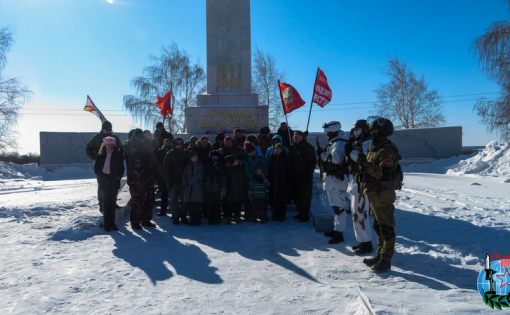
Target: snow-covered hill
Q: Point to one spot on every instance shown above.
(55, 259)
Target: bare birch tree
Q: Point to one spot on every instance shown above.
(265, 77)
(172, 71)
(493, 49)
(407, 100)
(13, 94)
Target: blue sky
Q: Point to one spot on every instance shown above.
(66, 49)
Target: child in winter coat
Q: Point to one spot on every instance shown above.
(254, 169)
(214, 178)
(234, 191)
(278, 176)
(109, 169)
(192, 182)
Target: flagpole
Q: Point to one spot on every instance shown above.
(311, 102)
(284, 112)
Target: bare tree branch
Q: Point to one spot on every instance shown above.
(493, 49)
(173, 71)
(13, 94)
(407, 100)
(265, 77)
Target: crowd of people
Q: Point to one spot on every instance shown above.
(241, 177)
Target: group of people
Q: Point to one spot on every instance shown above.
(240, 177)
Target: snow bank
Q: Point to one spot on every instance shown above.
(494, 161)
(33, 171)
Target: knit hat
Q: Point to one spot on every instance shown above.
(264, 130)
(109, 140)
(106, 125)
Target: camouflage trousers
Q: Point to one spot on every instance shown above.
(383, 212)
(141, 203)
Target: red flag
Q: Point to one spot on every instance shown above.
(165, 103)
(290, 97)
(322, 94)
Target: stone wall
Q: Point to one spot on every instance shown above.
(68, 148)
(421, 143)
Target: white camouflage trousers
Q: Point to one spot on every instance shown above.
(360, 212)
(337, 196)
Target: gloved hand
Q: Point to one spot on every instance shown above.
(354, 155)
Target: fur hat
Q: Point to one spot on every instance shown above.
(109, 140)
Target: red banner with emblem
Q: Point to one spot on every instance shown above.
(290, 97)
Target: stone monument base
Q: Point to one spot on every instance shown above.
(210, 119)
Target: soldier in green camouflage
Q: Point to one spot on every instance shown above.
(383, 176)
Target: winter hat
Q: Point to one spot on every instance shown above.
(248, 147)
(299, 132)
(214, 153)
(277, 137)
(220, 136)
(136, 134)
(178, 141)
(193, 139)
(264, 130)
(332, 126)
(252, 139)
(109, 140)
(106, 125)
(159, 124)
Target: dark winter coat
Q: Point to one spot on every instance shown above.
(278, 170)
(214, 177)
(302, 161)
(203, 152)
(174, 164)
(112, 180)
(235, 183)
(141, 163)
(285, 136)
(192, 182)
(92, 148)
(159, 137)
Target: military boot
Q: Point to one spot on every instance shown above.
(329, 234)
(383, 265)
(338, 237)
(363, 248)
(371, 261)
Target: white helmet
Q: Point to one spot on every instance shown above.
(332, 126)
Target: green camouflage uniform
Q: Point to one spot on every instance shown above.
(381, 164)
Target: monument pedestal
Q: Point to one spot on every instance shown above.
(209, 119)
(229, 102)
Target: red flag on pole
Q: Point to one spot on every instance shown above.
(322, 94)
(290, 97)
(165, 103)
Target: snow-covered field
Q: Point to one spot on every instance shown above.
(55, 259)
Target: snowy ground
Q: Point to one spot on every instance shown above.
(54, 259)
